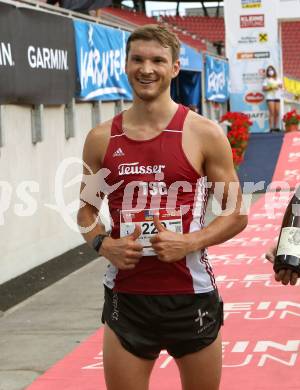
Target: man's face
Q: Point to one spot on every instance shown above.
(150, 69)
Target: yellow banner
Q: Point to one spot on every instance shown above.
(292, 86)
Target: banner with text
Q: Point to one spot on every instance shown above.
(37, 67)
(101, 62)
(8, 49)
(216, 79)
(292, 86)
(190, 59)
(251, 45)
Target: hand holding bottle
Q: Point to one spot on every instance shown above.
(286, 257)
(285, 276)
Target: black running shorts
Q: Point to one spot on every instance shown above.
(147, 324)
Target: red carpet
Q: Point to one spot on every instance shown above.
(261, 338)
(288, 166)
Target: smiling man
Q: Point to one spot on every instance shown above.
(160, 290)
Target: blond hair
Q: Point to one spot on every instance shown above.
(155, 32)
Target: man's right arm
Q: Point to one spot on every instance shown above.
(90, 195)
(124, 252)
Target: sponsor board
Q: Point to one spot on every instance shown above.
(47, 58)
(36, 67)
(251, 45)
(101, 53)
(250, 39)
(247, 40)
(257, 115)
(6, 57)
(263, 37)
(251, 3)
(257, 55)
(254, 97)
(252, 21)
(216, 79)
(253, 78)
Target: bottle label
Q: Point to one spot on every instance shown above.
(289, 243)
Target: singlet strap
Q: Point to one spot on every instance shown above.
(178, 119)
(176, 122)
(116, 126)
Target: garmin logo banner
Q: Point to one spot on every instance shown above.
(6, 58)
(8, 52)
(45, 58)
(37, 57)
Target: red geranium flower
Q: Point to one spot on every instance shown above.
(238, 134)
(291, 118)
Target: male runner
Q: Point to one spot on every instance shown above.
(160, 291)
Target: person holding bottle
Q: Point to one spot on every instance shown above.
(272, 86)
(286, 254)
(285, 276)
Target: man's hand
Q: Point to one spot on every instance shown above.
(168, 246)
(124, 253)
(285, 276)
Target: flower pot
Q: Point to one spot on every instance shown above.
(292, 127)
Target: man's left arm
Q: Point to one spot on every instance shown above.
(226, 190)
(220, 172)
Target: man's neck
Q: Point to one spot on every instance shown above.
(152, 113)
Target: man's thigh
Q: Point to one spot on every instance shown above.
(122, 369)
(202, 369)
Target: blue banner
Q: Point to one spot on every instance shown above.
(101, 62)
(190, 59)
(216, 79)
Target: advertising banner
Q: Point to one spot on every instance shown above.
(251, 45)
(8, 52)
(190, 59)
(101, 62)
(288, 9)
(37, 57)
(46, 58)
(216, 79)
(292, 86)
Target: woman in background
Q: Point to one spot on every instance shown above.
(272, 88)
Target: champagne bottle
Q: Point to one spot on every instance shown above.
(288, 249)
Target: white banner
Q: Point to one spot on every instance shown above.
(251, 45)
(288, 9)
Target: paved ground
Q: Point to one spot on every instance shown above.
(44, 328)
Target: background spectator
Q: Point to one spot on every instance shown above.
(83, 6)
(272, 88)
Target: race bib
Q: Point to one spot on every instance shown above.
(172, 220)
